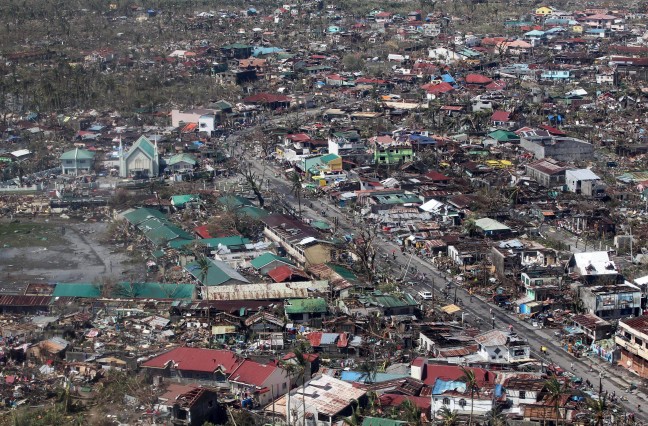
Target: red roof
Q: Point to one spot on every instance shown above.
(343, 341)
(477, 79)
(315, 338)
(438, 88)
(432, 372)
(391, 400)
(308, 357)
(496, 85)
(252, 373)
(436, 176)
(284, 273)
(552, 130)
(195, 359)
(202, 231)
(503, 116)
(298, 137)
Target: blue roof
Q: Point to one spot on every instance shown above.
(441, 386)
(537, 33)
(447, 78)
(260, 50)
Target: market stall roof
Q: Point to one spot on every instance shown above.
(451, 309)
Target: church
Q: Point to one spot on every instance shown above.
(141, 161)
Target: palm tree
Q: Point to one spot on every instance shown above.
(411, 413)
(448, 418)
(296, 187)
(203, 264)
(296, 368)
(368, 370)
(599, 407)
(495, 417)
(471, 385)
(555, 390)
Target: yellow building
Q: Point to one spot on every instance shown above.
(543, 10)
(577, 29)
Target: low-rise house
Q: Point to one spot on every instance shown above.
(499, 347)
(592, 327)
(214, 273)
(324, 400)
(189, 405)
(492, 228)
(194, 364)
(77, 162)
(261, 382)
(346, 143)
(182, 163)
(584, 181)
(300, 242)
(269, 261)
(593, 268)
(521, 388)
(306, 310)
(390, 151)
(547, 172)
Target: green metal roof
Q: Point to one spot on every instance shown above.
(140, 215)
(329, 157)
(145, 145)
(488, 224)
(300, 306)
(343, 272)
(181, 200)
(253, 212)
(77, 154)
(237, 46)
(234, 201)
(266, 258)
(503, 135)
(321, 225)
(91, 290)
(378, 421)
(154, 291)
(391, 301)
(182, 157)
(233, 241)
(217, 273)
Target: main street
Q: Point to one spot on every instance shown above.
(596, 371)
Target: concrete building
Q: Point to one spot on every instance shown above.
(547, 172)
(632, 339)
(611, 302)
(584, 181)
(77, 162)
(500, 347)
(559, 148)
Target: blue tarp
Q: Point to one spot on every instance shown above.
(448, 78)
(441, 386)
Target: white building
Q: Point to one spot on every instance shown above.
(142, 160)
(584, 181)
(501, 347)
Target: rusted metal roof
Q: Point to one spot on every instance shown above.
(12, 300)
(267, 291)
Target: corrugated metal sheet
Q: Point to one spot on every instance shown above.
(269, 291)
(25, 300)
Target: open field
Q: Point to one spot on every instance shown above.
(57, 251)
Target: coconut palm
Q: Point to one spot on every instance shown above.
(471, 386)
(410, 413)
(355, 419)
(599, 407)
(448, 417)
(555, 392)
(368, 370)
(495, 417)
(296, 187)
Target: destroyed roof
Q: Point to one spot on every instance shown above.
(594, 263)
(217, 273)
(285, 272)
(300, 306)
(267, 291)
(195, 359)
(137, 216)
(637, 323)
(125, 290)
(326, 395)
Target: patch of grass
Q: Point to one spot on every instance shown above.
(30, 234)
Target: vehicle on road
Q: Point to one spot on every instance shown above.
(425, 295)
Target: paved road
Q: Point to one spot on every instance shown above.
(585, 368)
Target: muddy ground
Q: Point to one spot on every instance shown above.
(59, 251)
